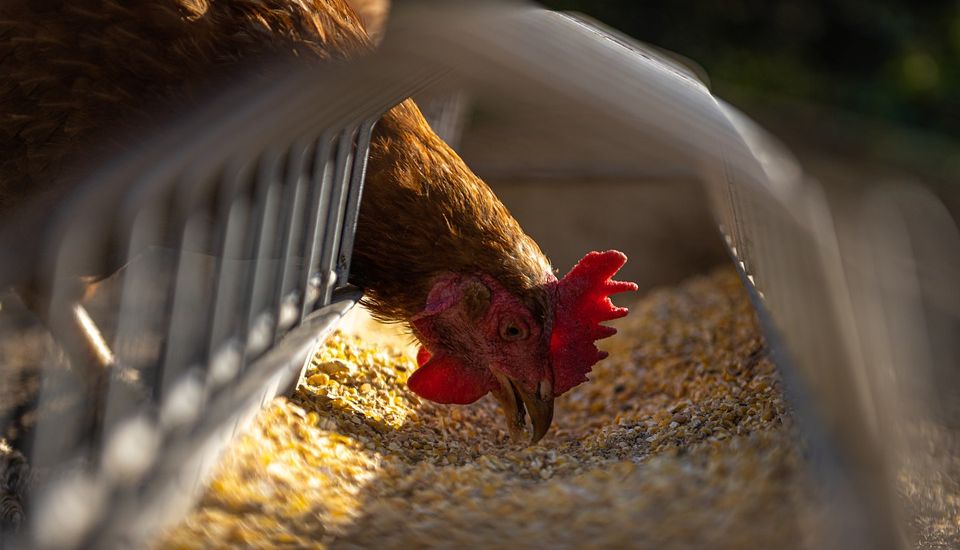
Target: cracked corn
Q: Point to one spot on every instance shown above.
(680, 439)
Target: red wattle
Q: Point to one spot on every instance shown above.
(422, 356)
(444, 379)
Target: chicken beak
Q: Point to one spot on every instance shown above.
(540, 407)
(516, 402)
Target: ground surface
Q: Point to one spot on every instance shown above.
(680, 440)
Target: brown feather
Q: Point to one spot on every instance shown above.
(80, 72)
(425, 213)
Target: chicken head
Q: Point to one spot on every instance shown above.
(479, 338)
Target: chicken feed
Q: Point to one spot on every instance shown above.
(681, 439)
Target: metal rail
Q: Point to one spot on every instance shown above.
(226, 256)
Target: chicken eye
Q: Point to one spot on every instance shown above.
(513, 330)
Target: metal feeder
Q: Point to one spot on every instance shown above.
(234, 228)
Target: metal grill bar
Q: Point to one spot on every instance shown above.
(227, 283)
(352, 207)
(338, 202)
(260, 318)
(288, 299)
(311, 281)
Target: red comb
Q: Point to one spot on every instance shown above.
(582, 303)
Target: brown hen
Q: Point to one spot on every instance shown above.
(434, 247)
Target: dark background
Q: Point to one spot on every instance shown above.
(876, 79)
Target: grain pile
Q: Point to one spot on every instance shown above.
(681, 439)
(929, 485)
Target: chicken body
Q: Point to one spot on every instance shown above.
(434, 247)
(79, 77)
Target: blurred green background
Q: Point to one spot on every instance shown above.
(876, 78)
